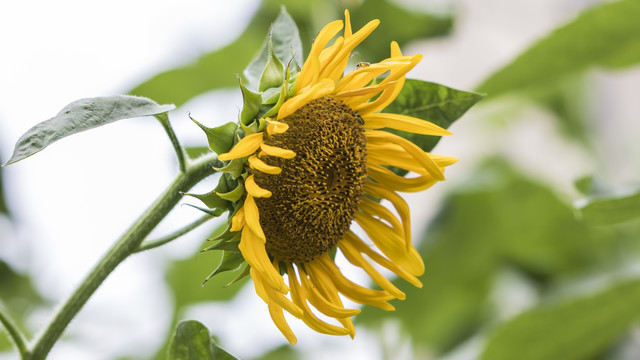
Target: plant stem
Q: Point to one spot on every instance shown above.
(164, 120)
(125, 246)
(147, 245)
(14, 334)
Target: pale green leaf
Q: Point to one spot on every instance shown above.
(577, 329)
(605, 35)
(285, 40)
(81, 115)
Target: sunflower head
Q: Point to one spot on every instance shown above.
(313, 155)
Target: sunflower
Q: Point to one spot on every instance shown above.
(320, 163)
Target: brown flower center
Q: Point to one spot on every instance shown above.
(316, 195)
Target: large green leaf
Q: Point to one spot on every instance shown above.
(608, 210)
(191, 341)
(578, 329)
(605, 35)
(432, 102)
(186, 276)
(81, 115)
(508, 221)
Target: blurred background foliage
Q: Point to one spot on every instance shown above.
(515, 270)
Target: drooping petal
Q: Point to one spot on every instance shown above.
(254, 190)
(252, 217)
(245, 147)
(255, 254)
(261, 166)
(276, 151)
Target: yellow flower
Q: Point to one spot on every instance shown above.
(322, 163)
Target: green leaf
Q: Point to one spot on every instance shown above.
(605, 35)
(609, 210)
(582, 328)
(432, 102)
(191, 341)
(285, 40)
(81, 115)
(185, 277)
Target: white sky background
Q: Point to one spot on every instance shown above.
(74, 199)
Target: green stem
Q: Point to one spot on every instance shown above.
(147, 245)
(125, 246)
(14, 334)
(164, 120)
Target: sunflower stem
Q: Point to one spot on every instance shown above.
(125, 246)
(164, 120)
(150, 244)
(15, 334)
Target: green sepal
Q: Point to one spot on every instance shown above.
(273, 73)
(231, 260)
(284, 92)
(235, 168)
(229, 244)
(234, 195)
(243, 274)
(211, 199)
(251, 103)
(220, 138)
(213, 212)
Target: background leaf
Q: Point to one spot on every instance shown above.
(605, 35)
(582, 328)
(609, 210)
(81, 115)
(191, 341)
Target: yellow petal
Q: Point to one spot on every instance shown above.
(255, 254)
(358, 260)
(269, 295)
(322, 88)
(404, 123)
(245, 147)
(276, 151)
(395, 182)
(309, 318)
(325, 306)
(255, 190)
(276, 127)
(237, 221)
(383, 137)
(347, 26)
(359, 245)
(374, 209)
(309, 74)
(252, 217)
(277, 316)
(335, 68)
(261, 166)
(379, 192)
